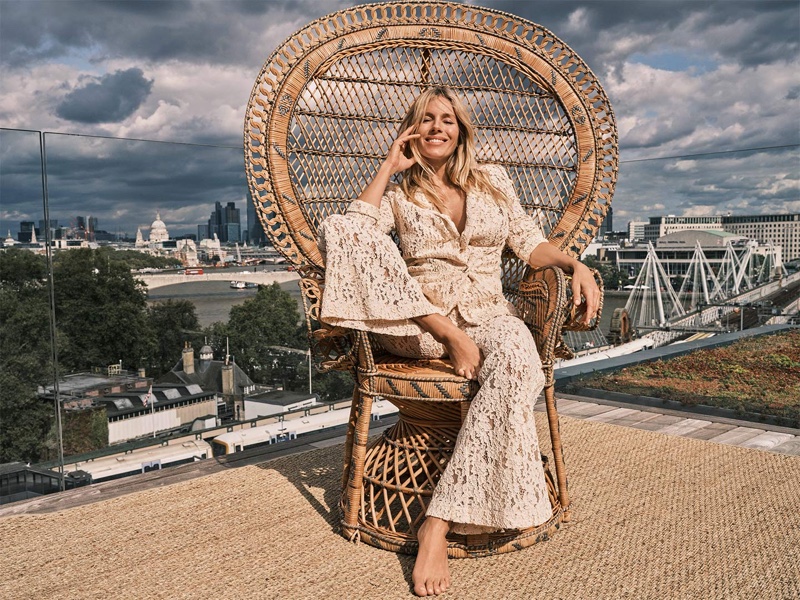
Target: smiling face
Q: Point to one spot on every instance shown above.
(438, 132)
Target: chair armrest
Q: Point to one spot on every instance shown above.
(542, 303)
(577, 313)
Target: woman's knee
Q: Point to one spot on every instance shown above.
(509, 346)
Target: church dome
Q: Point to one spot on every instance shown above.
(158, 230)
(206, 353)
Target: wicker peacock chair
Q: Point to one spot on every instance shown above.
(322, 115)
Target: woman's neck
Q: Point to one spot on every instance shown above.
(439, 176)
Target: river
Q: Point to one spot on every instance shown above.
(214, 299)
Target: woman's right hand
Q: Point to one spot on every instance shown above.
(396, 160)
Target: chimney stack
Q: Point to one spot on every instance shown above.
(188, 358)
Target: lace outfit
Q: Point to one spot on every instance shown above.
(495, 478)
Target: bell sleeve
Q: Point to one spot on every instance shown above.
(367, 283)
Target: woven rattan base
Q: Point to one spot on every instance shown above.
(401, 470)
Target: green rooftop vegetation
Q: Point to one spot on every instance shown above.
(758, 375)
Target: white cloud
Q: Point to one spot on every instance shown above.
(578, 21)
(724, 109)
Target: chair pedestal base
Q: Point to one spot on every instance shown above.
(401, 469)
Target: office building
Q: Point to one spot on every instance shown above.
(778, 230)
(225, 222)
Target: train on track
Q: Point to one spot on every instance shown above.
(242, 439)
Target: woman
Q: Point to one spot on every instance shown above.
(440, 295)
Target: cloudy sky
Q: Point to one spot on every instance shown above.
(706, 95)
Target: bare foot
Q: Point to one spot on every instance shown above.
(463, 352)
(431, 575)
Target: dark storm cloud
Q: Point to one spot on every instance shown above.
(202, 31)
(107, 99)
(748, 32)
(122, 183)
(223, 32)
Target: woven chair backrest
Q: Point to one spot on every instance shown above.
(328, 103)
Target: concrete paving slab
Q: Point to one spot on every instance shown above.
(737, 436)
(791, 447)
(561, 403)
(584, 410)
(612, 415)
(685, 427)
(767, 440)
(709, 431)
(638, 416)
(660, 422)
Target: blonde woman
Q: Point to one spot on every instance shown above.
(439, 295)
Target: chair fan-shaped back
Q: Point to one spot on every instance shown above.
(328, 103)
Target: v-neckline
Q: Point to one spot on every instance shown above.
(466, 217)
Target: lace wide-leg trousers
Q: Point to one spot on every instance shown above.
(495, 479)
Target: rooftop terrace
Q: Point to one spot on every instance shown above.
(656, 516)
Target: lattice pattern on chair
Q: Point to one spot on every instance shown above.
(322, 115)
(327, 104)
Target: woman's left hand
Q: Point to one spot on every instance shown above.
(584, 285)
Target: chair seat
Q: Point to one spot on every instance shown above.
(398, 379)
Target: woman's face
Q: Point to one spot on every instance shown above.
(438, 132)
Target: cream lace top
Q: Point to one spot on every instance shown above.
(447, 270)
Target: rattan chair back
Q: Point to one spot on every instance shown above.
(328, 103)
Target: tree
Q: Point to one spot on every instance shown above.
(270, 318)
(216, 336)
(25, 355)
(175, 322)
(101, 310)
(613, 278)
(333, 385)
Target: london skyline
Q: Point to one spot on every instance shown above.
(715, 84)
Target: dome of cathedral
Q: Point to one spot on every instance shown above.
(158, 230)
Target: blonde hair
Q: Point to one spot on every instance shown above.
(461, 168)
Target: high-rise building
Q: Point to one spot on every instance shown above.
(607, 226)
(226, 223)
(255, 232)
(779, 230)
(636, 230)
(27, 232)
(42, 231)
(85, 227)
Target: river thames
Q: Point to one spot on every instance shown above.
(214, 299)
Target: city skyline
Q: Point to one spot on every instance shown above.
(715, 83)
(77, 222)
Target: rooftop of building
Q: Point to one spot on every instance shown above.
(77, 384)
(655, 516)
(281, 397)
(208, 375)
(163, 395)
